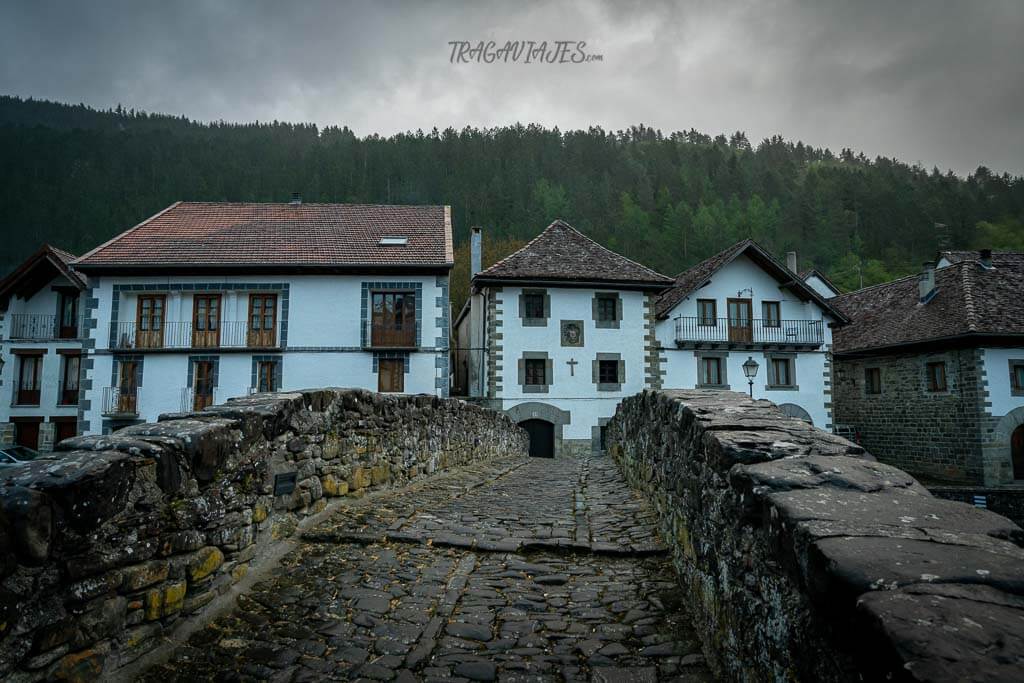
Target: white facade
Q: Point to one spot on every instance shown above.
(998, 365)
(40, 379)
(321, 336)
(685, 341)
(820, 285)
(573, 398)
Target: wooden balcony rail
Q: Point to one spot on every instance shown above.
(749, 331)
(380, 336)
(187, 335)
(121, 401)
(37, 326)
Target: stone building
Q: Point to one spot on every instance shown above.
(930, 374)
(556, 335)
(40, 350)
(743, 305)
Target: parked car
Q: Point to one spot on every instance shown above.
(14, 455)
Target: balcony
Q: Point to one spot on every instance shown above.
(32, 326)
(186, 335)
(120, 402)
(379, 336)
(698, 332)
(194, 400)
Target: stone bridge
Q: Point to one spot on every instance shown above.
(339, 534)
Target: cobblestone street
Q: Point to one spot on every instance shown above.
(536, 570)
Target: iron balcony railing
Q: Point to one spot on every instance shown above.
(38, 326)
(195, 399)
(121, 401)
(187, 335)
(749, 331)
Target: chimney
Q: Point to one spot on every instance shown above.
(791, 260)
(476, 247)
(926, 285)
(986, 258)
(296, 199)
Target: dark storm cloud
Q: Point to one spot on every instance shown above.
(939, 83)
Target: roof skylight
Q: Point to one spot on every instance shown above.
(393, 241)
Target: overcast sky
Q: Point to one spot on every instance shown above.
(941, 83)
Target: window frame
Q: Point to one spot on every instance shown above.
(711, 321)
(530, 369)
(396, 374)
(149, 327)
(33, 396)
(69, 396)
(1016, 365)
(766, 319)
(266, 371)
(605, 304)
(932, 386)
(873, 387)
(538, 296)
(722, 360)
(388, 329)
(258, 335)
(772, 383)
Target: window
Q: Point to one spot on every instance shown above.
(150, 322)
(29, 367)
(205, 320)
(266, 376)
(710, 369)
(608, 371)
(393, 319)
(262, 320)
(935, 375)
(707, 312)
(125, 400)
(1017, 377)
(203, 380)
(533, 305)
(606, 308)
(68, 323)
(872, 381)
(391, 375)
(535, 372)
(780, 372)
(69, 379)
(603, 431)
(770, 314)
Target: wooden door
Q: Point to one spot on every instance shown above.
(206, 321)
(542, 438)
(391, 375)
(127, 396)
(741, 324)
(65, 428)
(202, 388)
(262, 321)
(26, 432)
(68, 323)
(1017, 452)
(149, 322)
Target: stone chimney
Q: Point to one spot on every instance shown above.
(296, 199)
(791, 260)
(476, 250)
(926, 284)
(986, 258)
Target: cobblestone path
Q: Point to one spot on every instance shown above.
(536, 570)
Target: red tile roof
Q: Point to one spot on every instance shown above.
(217, 234)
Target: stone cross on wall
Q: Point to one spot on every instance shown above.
(572, 366)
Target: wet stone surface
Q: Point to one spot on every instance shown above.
(508, 571)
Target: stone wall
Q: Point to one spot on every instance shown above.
(805, 559)
(1004, 500)
(106, 548)
(938, 436)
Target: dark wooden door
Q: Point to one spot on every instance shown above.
(26, 432)
(65, 428)
(127, 403)
(202, 394)
(740, 320)
(1017, 451)
(206, 321)
(542, 438)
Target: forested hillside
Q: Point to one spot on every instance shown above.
(74, 176)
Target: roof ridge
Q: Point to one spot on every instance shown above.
(601, 246)
(508, 256)
(400, 206)
(886, 284)
(968, 285)
(744, 242)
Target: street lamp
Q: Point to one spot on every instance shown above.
(750, 367)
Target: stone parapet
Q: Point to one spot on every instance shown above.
(111, 542)
(805, 559)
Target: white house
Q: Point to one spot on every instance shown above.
(40, 350)
(556, 334)
(817, 281)
(205, 301)
(743, 305)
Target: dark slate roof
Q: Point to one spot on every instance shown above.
(221, 234)
(38, 270)
(1011, 259)
(690, 280)
(562, 253)
(969, 300)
